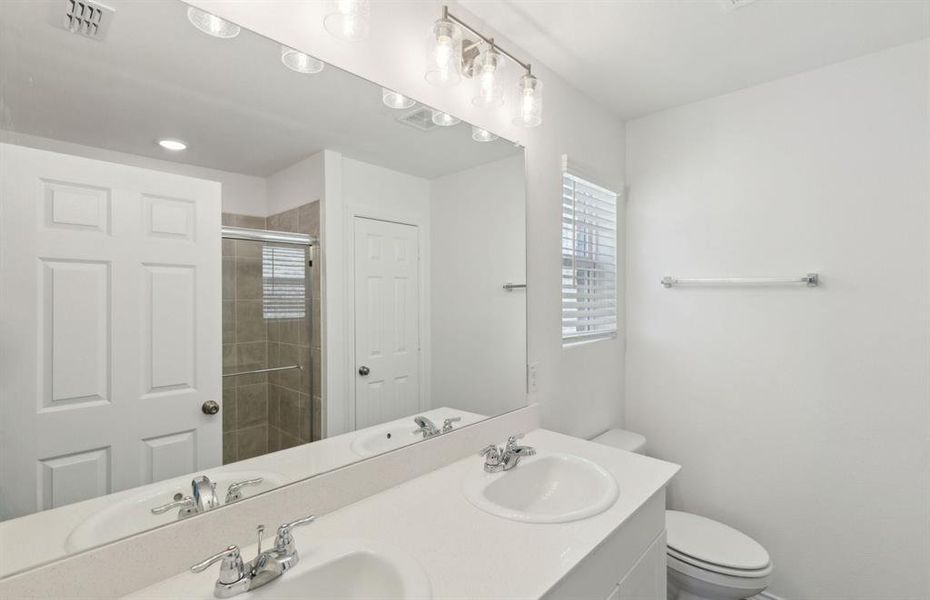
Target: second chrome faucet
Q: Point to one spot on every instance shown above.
(503, 459)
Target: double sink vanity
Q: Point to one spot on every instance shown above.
(572, 519)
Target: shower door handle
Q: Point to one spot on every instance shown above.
(363, 370)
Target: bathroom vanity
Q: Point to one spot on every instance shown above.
(425, 530)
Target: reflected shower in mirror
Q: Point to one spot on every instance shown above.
(228, 266)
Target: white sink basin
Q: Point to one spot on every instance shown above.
(383, 438)
(131, 512)
(343, 569)
(546, 488)
(350, 570)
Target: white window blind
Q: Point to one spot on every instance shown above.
(589, 260)
(283, 282)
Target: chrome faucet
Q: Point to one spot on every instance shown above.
(203, 497)
(237, 577)
(426, 427)
(447, 424)
(503, 459)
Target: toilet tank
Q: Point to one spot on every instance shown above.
(623, 439)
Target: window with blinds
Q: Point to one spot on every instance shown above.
(283, 282)
(589, 260)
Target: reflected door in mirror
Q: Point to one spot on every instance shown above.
(112, 333)
(387, 333)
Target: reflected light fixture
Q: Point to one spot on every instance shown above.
(392, 99)
(444, 52)
(173, 145)
(347, 19)
(301, 62)
(444, 119)
(528, 101)
(482, 135)
(487, 69)
(212, 24)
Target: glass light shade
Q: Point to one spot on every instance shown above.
(528, 102)
(487, 78)
(392, 99)
(212, 24)
(295, 60)
(482, 135)
(444, 119)
(348, 19)
(444, 54)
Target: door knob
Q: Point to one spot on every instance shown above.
(363, 370)
(210, 407)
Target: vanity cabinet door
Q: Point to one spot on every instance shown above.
(646, 581)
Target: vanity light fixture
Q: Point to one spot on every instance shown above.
(347, 19)
(173, 145)
(487, 76)
(482, 135)
(444, 119)
(298, 61)
(212, 24)
(392, 99)
(444, 52)
(528, 101)
(450, 54)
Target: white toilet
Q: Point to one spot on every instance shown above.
(707, 560)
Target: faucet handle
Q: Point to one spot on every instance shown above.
(234, 492)
(512, 440)
(447, 423)
(284, 541)
(232, 569)
(185, 502)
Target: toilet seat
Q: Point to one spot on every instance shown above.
(712, 568)
(713, 546)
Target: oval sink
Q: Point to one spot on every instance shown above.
(546, 488)
(350, 570)
(131, 513)
(381, 438)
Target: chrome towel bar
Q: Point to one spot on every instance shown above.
(810, 280)
(269, 370)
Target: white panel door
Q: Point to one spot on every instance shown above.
(387, 321)
(109, 327)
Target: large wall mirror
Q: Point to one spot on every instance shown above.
(226, 266)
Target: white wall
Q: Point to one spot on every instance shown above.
(242, 194)
(296, 185)
(580, 389)
(355, 188)
(478, 330)
(799, 415)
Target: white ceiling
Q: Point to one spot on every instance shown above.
(636, 57)
(238, 108)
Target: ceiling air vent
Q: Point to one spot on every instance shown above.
(420, 117)
(87, 18)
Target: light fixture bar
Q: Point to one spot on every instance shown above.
(487, 40)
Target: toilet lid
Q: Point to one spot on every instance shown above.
(712, 542)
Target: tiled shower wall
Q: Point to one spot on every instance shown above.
(268, 412)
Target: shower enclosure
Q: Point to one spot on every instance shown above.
(267, 334)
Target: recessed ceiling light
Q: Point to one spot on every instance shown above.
(392, 99)
(173, 145)
(295, 60)
(212, 24)
(445, 119)
(482, 135)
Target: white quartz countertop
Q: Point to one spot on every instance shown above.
(466, 552)
(44, 536)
